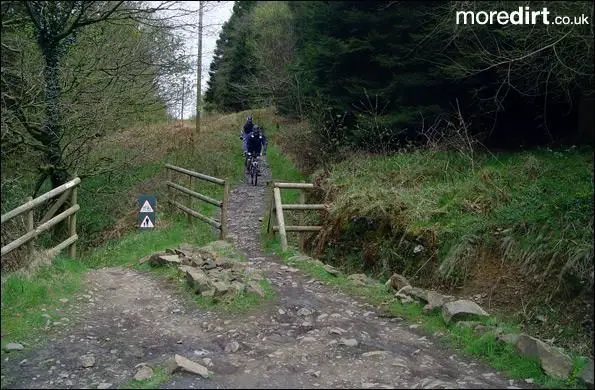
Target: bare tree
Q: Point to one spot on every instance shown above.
(56, 26)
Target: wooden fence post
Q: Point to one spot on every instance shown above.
(30, 226)
(302, 200)
(190, 222)
(271, 222)
(168, 191)
(72, 229)
(173, 193)
(224, 210)
(280, 220)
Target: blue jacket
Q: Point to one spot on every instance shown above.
(255, 143)
(248, 127)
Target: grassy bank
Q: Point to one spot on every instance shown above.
(532, 206)
(516, 226)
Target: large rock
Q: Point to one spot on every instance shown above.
(144, 259)
(397, 282)
(402, 294)
(162, 259)
(87, 361)
(432, 298)
(209, 264)
(221, 288)
(553, 362)
(405, 299)
(331, 270)
(461, 309)
(404, 291)
(232, 347)
(224, 263)
(153, 259)
(13, 347)
(144, 373)
(508, 338)
(190, 366)
(349, 342)
(237, 287)
(359, 278)
(586, 374)
(197, 279)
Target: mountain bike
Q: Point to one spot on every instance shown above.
(253, 166)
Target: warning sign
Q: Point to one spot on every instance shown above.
(147, 223)
(147, 207)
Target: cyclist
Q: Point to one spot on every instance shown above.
(246, 131)
(255, 141)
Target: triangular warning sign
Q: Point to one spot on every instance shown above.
(146, 208)
(147, 223)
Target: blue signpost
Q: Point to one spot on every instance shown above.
(147, 209)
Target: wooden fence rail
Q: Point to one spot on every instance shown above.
(277, 207)
(220, 225)
(67, 190)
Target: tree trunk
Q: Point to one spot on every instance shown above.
(52, 128)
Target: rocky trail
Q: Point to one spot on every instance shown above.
(310, 336)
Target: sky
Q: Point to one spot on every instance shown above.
(214, 15)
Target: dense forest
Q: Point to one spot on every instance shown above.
(379, 75)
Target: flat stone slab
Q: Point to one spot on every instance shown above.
(451, 311)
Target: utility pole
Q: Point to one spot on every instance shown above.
(183, 93)
(199, 70)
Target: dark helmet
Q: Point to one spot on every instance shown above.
(249, 119)
(257, 130)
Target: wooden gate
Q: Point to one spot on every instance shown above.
(67, 190)
(277, 207)
(220, 225)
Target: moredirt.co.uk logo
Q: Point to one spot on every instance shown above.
(521, 16)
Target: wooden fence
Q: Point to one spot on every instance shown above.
(67, 190)
(222, 224)
(276, 211)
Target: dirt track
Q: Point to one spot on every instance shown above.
(127, 317)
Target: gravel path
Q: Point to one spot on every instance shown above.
(311, 336)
